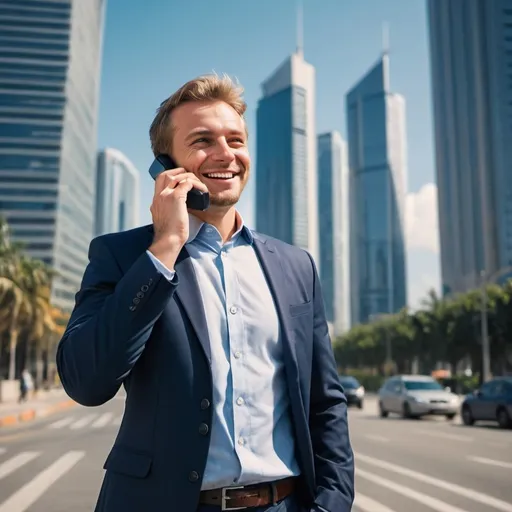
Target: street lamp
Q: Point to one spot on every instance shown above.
(486, 351)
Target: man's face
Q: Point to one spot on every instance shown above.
(210, 141)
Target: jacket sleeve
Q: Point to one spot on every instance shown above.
(332, 450)
(111, 322)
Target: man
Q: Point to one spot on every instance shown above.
(218, 335)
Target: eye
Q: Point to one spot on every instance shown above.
(237, 140)
(201, 140)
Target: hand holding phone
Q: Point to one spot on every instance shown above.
(196, 199)
(171, 200)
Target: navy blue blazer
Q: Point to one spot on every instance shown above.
(132, 327)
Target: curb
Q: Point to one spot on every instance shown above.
(33, 413)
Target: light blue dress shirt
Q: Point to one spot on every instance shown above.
(252, 439)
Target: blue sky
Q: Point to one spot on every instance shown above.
(150, 48)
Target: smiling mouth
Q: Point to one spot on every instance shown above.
(220, 175)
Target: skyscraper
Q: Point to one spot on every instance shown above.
(471, 63)
(50, 56)
(377, 167)
(333, 217)
(117, 193)
(286, 177)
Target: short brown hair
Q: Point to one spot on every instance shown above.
(203, 88)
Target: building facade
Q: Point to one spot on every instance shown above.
(117, 193)
(286, 162)
(471, 68)
(377, 176)
(333, 218)
(50, 55)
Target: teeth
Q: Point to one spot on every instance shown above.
(225, 175)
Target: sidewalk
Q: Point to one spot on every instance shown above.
(44, 404)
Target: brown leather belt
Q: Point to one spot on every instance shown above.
(259, 495)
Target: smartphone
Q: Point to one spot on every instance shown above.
(196, 199)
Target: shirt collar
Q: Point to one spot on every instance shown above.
(195, 224)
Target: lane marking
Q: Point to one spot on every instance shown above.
(366, 504)
(16, 462)
(486, 499)
(491, 462)
(117, 421)
(445, 435)
(62, 423)
(27, 495)
(81, 423)
(103, 420)
(424, 499)
(375, 437)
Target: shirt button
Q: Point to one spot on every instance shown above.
(205, 403)
(193, 476)
(238, 354)
(233, 310)
(203, 429)
(241, 441)
(240, 401)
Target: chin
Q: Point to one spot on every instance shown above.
(224, 200)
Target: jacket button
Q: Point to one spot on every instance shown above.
(203, 429)
(193, 476)
(205, 403)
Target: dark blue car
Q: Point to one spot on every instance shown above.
(492, 402)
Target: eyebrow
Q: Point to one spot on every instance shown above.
(199, 133)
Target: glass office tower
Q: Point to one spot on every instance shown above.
(286, 163)
(333, 217)
(471, 66)
(117, 193)
(50, 54)
(377, 163)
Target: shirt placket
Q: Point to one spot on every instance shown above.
(237, 353)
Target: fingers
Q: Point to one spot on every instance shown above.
(171, 179)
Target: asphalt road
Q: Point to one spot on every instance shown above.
(55, 464)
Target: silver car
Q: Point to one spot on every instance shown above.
(413, 396)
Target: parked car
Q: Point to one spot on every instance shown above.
(353, 391)
(492, 402)
(414, 396)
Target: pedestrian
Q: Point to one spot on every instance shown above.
(219, 336)
(26, 385)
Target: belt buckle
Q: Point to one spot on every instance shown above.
(224, 498)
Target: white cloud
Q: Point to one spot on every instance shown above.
(421, 219)
(422, 239)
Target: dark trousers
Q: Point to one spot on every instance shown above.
(289, 504)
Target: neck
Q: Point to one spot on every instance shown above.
(224, 220)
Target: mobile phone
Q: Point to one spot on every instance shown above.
(196, 199)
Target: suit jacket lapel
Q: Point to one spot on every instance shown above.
(276, 276)
(189, 295)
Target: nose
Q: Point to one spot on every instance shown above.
(222, 152)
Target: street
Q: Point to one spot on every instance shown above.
(55, 464)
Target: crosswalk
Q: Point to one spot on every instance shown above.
(381, 486)
(87, 421)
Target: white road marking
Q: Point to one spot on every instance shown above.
(103, 420)
(117, 421)
(491, 462)
(81, 423)
(486, 499)
(11, 465)
(445, 435)
(62, 423)
(366, 504)
(375, 437)
(27, 495)
(424, 499)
